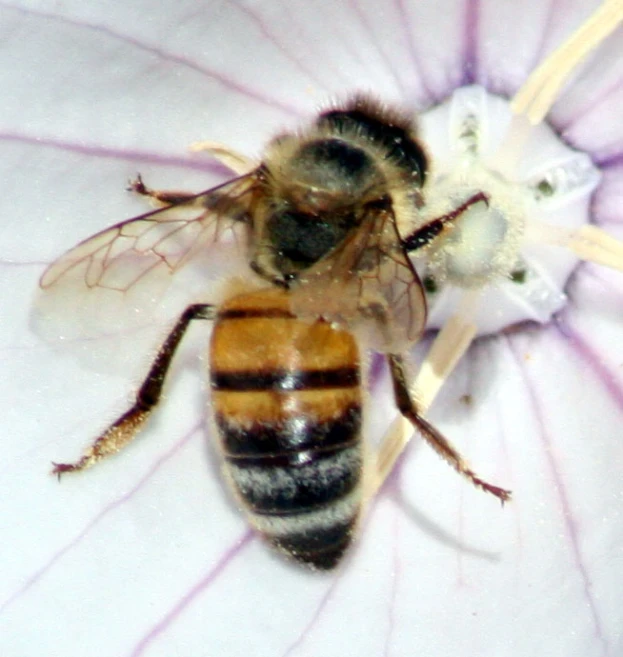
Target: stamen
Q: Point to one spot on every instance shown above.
(588, 242)
(506, 158)
(238, 163)
(535, 98)
(450, 345)
(540, 91)
(499, 249)
(394, 441)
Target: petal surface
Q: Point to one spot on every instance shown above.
(146, 554)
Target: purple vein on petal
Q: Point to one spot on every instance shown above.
(109, 508)
(591, 102)
(418, 71)
(563, 498)
(334, 68)
(353, 50)
(607, 215)
(280, 46)
(610, 161)
(190, 596)
(314, 618)
(582, 349)
(470, 44)
(508, 468)
(376, 370)
(372, 42)
(539, 50)
(146, 157)
(162, 55)
(600, 276)
(423, 521)
(334, 582)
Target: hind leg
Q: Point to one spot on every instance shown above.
(125, 428)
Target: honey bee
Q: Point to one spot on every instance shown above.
(326, 223)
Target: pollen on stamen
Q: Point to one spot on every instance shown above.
(548, 183)
(474, 134)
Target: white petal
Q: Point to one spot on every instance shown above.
(146, 554)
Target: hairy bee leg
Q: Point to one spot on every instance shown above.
(125, 428)
(434, 227)
(449, 346)
(408, 407)
(237, 162)
(161, 198)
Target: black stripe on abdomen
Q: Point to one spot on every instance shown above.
(289, 435)
(309, 512)
(255, 313)
(285, 380)
(294, 464)
(300, 481)
(291, 490)
(317, 538)
(323, 545)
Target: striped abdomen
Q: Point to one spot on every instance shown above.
(287, 402)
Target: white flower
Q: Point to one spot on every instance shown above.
(146, 554)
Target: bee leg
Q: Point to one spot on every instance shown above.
(125, 428)
(408, 407)
(434, 227)
(234, 161)
(159, 197)
(450, 345)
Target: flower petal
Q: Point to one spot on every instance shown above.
(146, 554)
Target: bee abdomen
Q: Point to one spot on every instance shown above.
(288, 409)
(281, 476)
(307, 506)
(300, 482)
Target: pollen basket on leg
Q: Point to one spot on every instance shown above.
(491, 247)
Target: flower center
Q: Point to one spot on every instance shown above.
(497, 251)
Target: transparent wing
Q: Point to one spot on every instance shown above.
(120, 281)
(368, 281)
(165, 239)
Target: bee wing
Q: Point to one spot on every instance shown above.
(114, 281)
(167, 238)
(368, 279)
